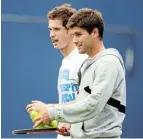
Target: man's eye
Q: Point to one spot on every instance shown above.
(57, 28)
(78, 34)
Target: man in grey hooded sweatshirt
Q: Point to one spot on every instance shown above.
(100, 108)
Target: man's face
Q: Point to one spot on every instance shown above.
(82, 39)
(58, 34)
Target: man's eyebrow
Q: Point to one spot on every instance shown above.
(77, 32)
(54, 27)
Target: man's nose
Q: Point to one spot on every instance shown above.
(75, 40)
(52, 34)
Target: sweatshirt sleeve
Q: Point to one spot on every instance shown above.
(91, 106)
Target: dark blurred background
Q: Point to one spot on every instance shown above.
(30, 63)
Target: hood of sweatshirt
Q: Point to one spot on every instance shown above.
(109, 51)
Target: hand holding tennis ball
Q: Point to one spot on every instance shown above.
(53, 124)
(35, 114)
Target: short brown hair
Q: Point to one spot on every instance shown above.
(87, 19)
(63, 12)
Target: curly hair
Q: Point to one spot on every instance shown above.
(88, 19)
(63, 12)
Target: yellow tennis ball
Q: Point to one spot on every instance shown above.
(34, 114)
(47, 126)
(54, 123)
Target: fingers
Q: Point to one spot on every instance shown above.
(65, 125)
(29, 107)
(37, 119)
(45, 118)
(68, 127)
(35, 101)
(38, 122)
(63, 131)
(59, 126)
(46, 121)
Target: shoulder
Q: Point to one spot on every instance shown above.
(110, 60)
(109, 64)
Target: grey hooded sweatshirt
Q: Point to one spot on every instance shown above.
(100, 108)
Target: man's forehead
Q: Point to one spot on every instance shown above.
(55, 23)
(76, 30)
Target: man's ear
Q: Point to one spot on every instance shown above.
(95, 32)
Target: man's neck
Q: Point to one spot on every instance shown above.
(97, 49)
(67, 50)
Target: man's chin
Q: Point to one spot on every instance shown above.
(81, 52)
(56, 47)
